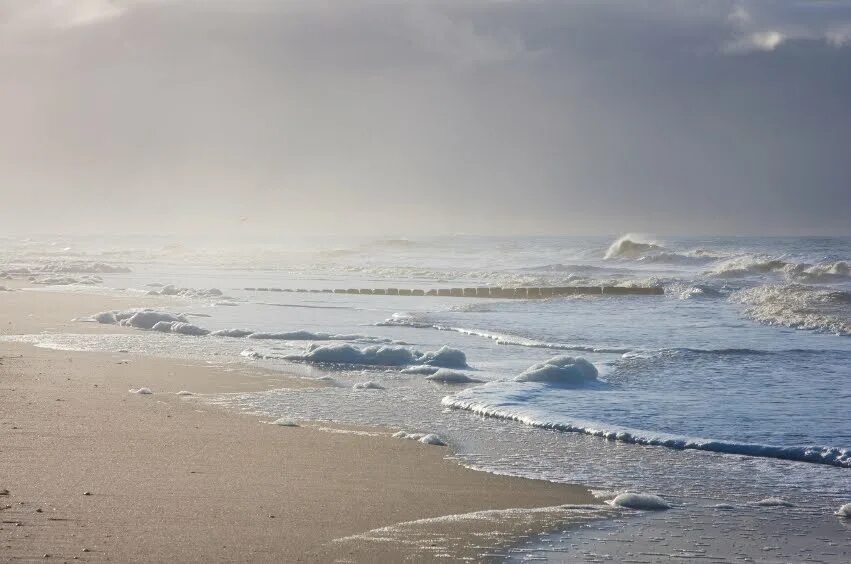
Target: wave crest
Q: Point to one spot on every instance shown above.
(798, 306)
(467, 400)
(631, 246)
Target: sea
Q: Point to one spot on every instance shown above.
(727, 395)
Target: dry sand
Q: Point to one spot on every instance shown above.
(95, 473)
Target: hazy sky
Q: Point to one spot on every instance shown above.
(407, 117)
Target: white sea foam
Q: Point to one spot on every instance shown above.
(146, 319)
(748, 265)
(631, 246)
(382, 355)
(285, 422)
(378, 355)
(197, 293)
(798, 306)
(446, 357)
(179, 327)
(368, 385)
(562, 370)
(823, 273)
(184, 393)
(774, 502)
(432, 439)
(141, 391)
(699, 291)
(315, 336)
(406, 320)
(167, 322)
(65, 267)
(448, 376)
(724, 507)
(68, 280)
(642, 501)
(801, 272)
(425, 438)
(420, 369)
(491, 523)
(232, 333)
(844, 511)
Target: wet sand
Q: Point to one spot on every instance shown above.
(96, 473)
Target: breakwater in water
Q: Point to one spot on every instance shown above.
(487, 292)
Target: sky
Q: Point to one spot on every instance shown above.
(415, 117)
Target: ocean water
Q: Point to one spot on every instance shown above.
(733, 386)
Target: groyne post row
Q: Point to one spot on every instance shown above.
(487, 292)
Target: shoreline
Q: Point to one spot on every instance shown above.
(171, 478)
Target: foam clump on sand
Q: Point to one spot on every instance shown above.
(644, 502)
(562, 370)
(87, 280)
(141, 391)
(424, 438)
(161, 321)
(254, 355)
(774, 502)
(184, 393)
(284, 422)
(432, 439)
(369, 385)
(232, 333)
(378, 355)
(138, 318)
(171, 290)
(348, 354)
(82, 267)
(449, 376)
(301, 335)
(420, 369)
(446, 357)
(179, 327)
(844, 511)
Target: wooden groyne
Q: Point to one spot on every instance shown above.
(487, 292)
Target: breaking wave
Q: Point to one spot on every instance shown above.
(800, 272)
(630, 246)
(637, 248)
(407, 320)
(509, 410)
(798, 306)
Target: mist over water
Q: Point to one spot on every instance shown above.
(253, 166)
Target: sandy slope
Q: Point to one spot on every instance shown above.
(173, 479)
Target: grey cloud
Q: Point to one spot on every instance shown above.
(545, 116)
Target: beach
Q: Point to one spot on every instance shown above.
(704, 419)
(96, 473)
